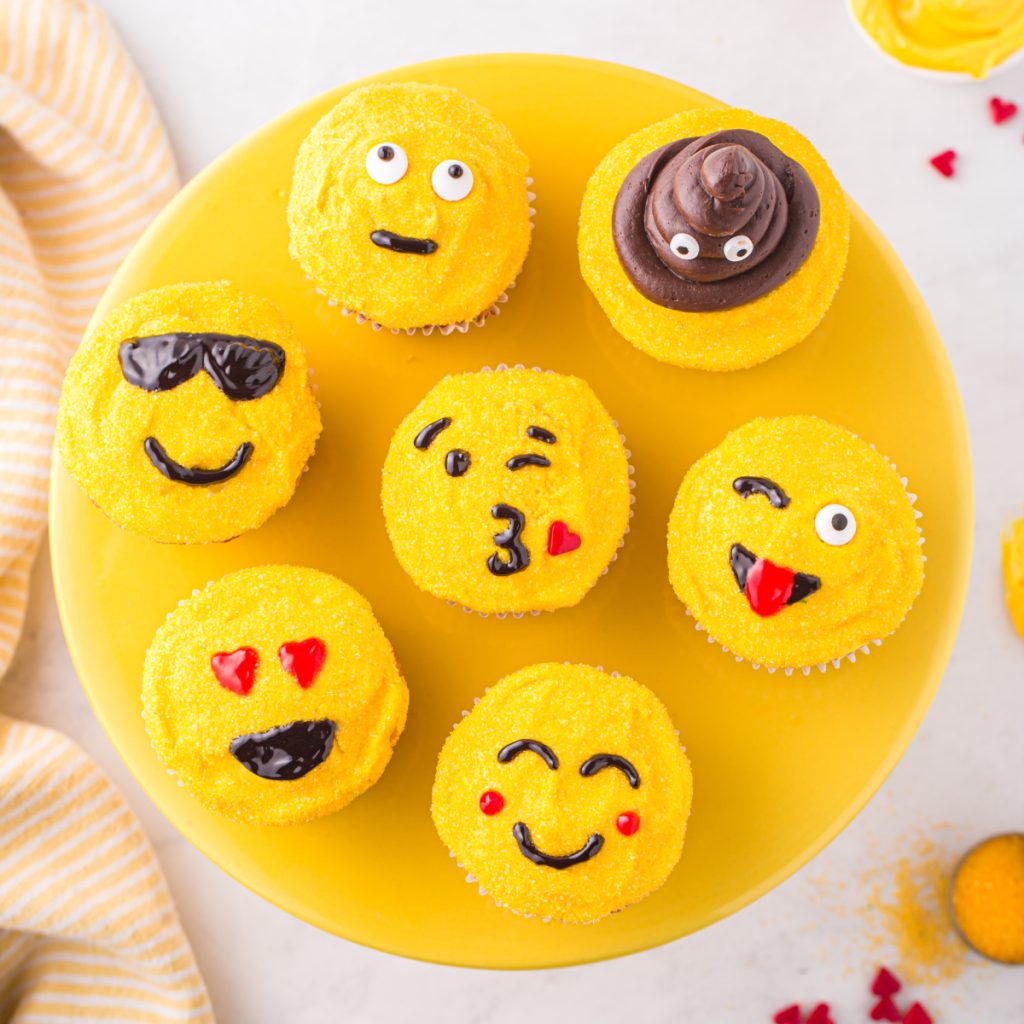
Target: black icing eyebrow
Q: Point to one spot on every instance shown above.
(594, 764)
(540, 434)
(512, 750)
(425, 438)
(519, 461)
(745, 486)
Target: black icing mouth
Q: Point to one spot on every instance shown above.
(195, 475)
(509, 540)
(402, 243)
(591, 848)
(286, 752)
(742, 560)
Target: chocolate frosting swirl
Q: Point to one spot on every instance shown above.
(733, 194)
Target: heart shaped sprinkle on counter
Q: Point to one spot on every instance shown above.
(561, 540)
(303, 659)
(821, 1014)
(885, 984)
(943, 162)
(1001, 110)
(917, 1014)
(236, 670)
(788, 1015)
(886, 1009)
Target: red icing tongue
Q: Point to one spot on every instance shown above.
(768, 587)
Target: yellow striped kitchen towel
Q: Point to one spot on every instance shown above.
(87, 928)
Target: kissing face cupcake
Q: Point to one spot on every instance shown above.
(715, 239)
(564, 792)
(274, 695)
(409, 207)
(794, 543)
(507, 491)
(187, 413)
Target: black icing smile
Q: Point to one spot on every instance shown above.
(742, 560)
(286, 752)
(196, 475)
(509, 540)
(402, 243)
(591, 848)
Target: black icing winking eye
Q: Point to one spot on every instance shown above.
(242, 368)
(745, 486)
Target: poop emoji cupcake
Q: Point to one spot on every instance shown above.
(715, 239)
(274, 695)
(409, 207)
(564, 792)
(794, 543)
(507, 491)
(187, 413)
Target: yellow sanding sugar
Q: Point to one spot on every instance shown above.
(988, 898)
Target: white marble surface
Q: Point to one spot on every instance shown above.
(220, 68)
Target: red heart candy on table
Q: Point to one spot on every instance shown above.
(820, 1015)
(236, 670)
(303, 659)
(886, 1009)
(885, 984)
(917, 1014)
(561, 540)
(1001, 110)
(789, 1015)
(943, 162)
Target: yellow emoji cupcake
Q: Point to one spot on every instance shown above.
(794, 543)
(564, 793)
(507, 491)
(187, 413)
(409, 207)
(274, 695)
(715, 239)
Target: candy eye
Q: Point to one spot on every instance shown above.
(737, 249)
(386, 163)
(835, 525)
(452, 180)
(456, 462)
(686, 247)
(491, 802)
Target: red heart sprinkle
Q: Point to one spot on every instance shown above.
(789, 1015)
(1001, 110)
(236, 671)
(943, 162)
(561, 540)
(820, 1015)
(303, 659)
(885, 1009)
(885, 984)
(768, 587)
(917, 1014)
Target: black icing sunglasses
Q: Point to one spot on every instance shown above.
(243, 368)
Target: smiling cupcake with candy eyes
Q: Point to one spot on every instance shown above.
(410, 208)
(794, 543)
(564, 792)
(715, 239)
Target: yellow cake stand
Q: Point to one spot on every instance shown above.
(781, 764)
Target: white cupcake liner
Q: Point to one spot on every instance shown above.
(630, 472)
(462, 326)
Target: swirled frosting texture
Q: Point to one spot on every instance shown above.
(969, 37)
(721, 338)
(748, 214)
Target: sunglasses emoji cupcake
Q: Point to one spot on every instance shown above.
(507, 491)
(795, 544)
(274, 695)
(187, 414)
(715, 239)
(410, 208)
(565, 793)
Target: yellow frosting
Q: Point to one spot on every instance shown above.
(104, 420)
(729, 339)
(192, 719)
(1013, 573)
(970, 37)
(578, 711)
(335, 206)
(867, 585)
(442, 527)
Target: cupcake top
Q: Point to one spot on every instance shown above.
(795, 543)
(273, 694)
(565, 792)
(186, 413)
(507, 491)
(714, 239)
(409, 205)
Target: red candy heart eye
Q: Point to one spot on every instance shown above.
(628, 822)
(236, 670)
(303, 659)
(561, 540)
(491, 802)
